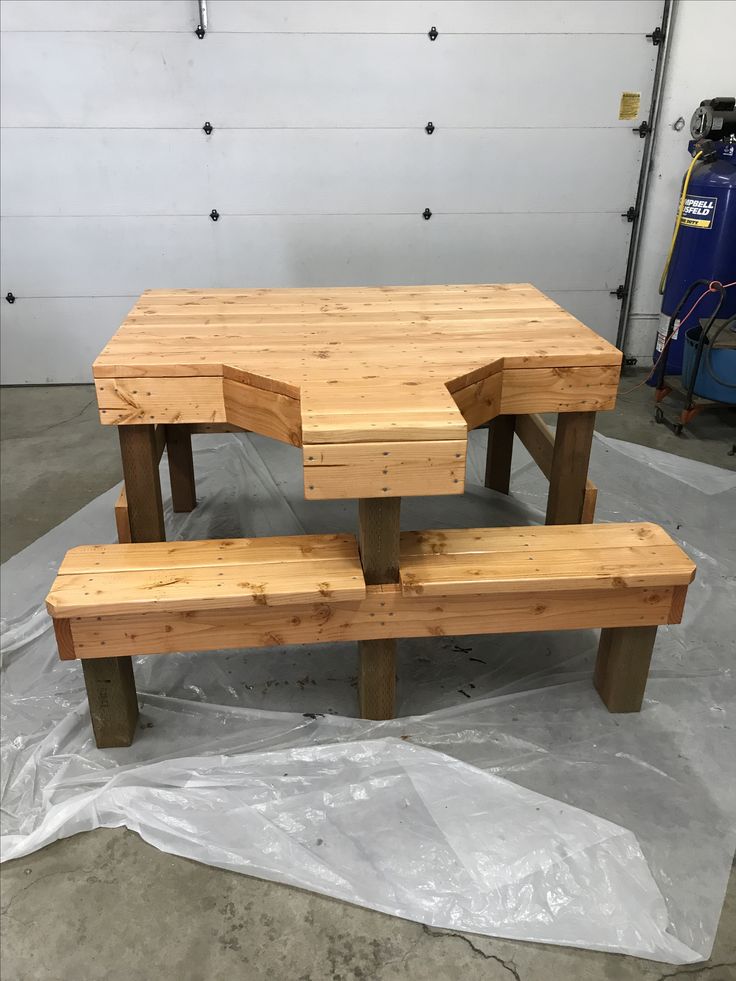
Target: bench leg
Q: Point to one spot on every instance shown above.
(113, 706)
(569, 473)
(622, 666)
(181, 468)
(379, 521)
(500, 449)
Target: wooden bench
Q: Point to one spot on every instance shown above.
(110, 602)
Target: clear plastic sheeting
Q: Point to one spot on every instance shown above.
(505, 800)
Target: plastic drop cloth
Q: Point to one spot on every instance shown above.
(505, 800)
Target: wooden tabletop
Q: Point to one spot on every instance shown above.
(379, 385)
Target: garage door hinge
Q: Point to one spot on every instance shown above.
(643, 129)
(10, 298)
(426, 214)
(630, 214)
(208, 128)
(657, 36)
(620, 291)
(433, 33)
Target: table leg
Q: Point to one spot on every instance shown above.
(142, 484)
(569, 473)
(379, 522)
(181, 468)
(500, 449)
(110, 683)
(622, 666)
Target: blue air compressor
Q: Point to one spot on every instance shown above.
(703, 246)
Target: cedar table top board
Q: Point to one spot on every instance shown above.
(378, 385)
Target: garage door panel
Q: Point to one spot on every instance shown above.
(152, 80)
(101, 256)
(603, 16)
(51, 340)
(99, 15)
(63, 172)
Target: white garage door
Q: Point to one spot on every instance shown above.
(319, 164)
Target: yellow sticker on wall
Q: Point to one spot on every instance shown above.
(629, 105)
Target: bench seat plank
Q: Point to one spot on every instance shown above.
(190, 576)
(552, 558)
(216, 552)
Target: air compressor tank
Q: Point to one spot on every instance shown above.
(705, 247)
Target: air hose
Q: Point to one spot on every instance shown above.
(678, 219)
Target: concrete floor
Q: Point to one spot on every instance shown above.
(105, 906)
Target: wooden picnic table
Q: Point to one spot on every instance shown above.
(379, 386)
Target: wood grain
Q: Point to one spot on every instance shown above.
(383, 613)
(601, 559)
(409, 367)
(199, 585)
(333, 471)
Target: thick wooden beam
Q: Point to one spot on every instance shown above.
(111, 686)
(139, 447)
(622, 666)
(569, 471)
(539, 441)
(335, 471)
(385, 613)
(379, 536)
(181, 468)
(113, 706)
(500, 450)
